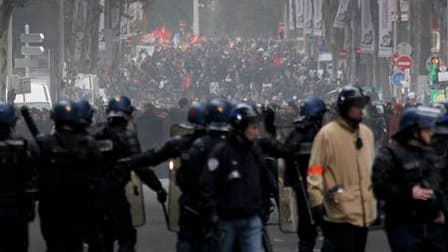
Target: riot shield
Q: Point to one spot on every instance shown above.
(134, 194)
(173, 190)
(287, 208)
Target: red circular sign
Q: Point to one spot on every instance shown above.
(404, 62)
(343, 53)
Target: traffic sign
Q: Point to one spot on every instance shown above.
(22, 63)
(397, 79)
(404, 62)
(32, 50)
(442, 76)
(32, 38)
(404, 48)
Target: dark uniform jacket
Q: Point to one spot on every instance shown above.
(123, 142)
(234, 182)
(397, 169)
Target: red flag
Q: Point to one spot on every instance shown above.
(186, 81)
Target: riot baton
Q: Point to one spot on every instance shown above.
(305, 195)
(24, 110)
(165, 214)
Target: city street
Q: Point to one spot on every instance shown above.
(154, 236)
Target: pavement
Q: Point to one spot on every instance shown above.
(154, 236)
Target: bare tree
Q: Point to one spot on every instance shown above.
(81, 21)
(6, 8)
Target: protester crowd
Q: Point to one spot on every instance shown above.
(259, 70)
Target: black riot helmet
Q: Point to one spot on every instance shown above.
(351, 96)
(242, 116)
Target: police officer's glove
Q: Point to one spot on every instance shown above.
(318, 213)
(161, 195)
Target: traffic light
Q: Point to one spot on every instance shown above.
(434, 69)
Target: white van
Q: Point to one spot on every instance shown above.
(39, 97)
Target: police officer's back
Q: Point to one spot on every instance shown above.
(68, 181)
(17, 171)
(407, 177)
(118, 141)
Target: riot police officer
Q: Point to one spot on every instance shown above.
(190, 236)
(407, 177)
(299, 143)
(86, 113)
(234, 184)
(69, 176)
(122, 142)
(16, 202)
(176, 147)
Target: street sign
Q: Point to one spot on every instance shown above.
(404, 62)
(22, 63)
(397, 79)
(404, 48)
(32, 38)
(442, 76)
(32, 50)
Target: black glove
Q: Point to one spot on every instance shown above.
(161, 196)
(318, 213)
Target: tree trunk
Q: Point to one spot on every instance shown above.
(81, 37)
(6, 7)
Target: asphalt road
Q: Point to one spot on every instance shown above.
(154, 236)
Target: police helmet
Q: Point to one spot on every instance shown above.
(414, 119)
(120, 106)
(85, 111)
(313, 107)
(217, 112)
(8, 114)
(242, 116)
(65, 111)
(351, 96)
(196, 115)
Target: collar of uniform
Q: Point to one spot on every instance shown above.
(344, 124)
(240, 141)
